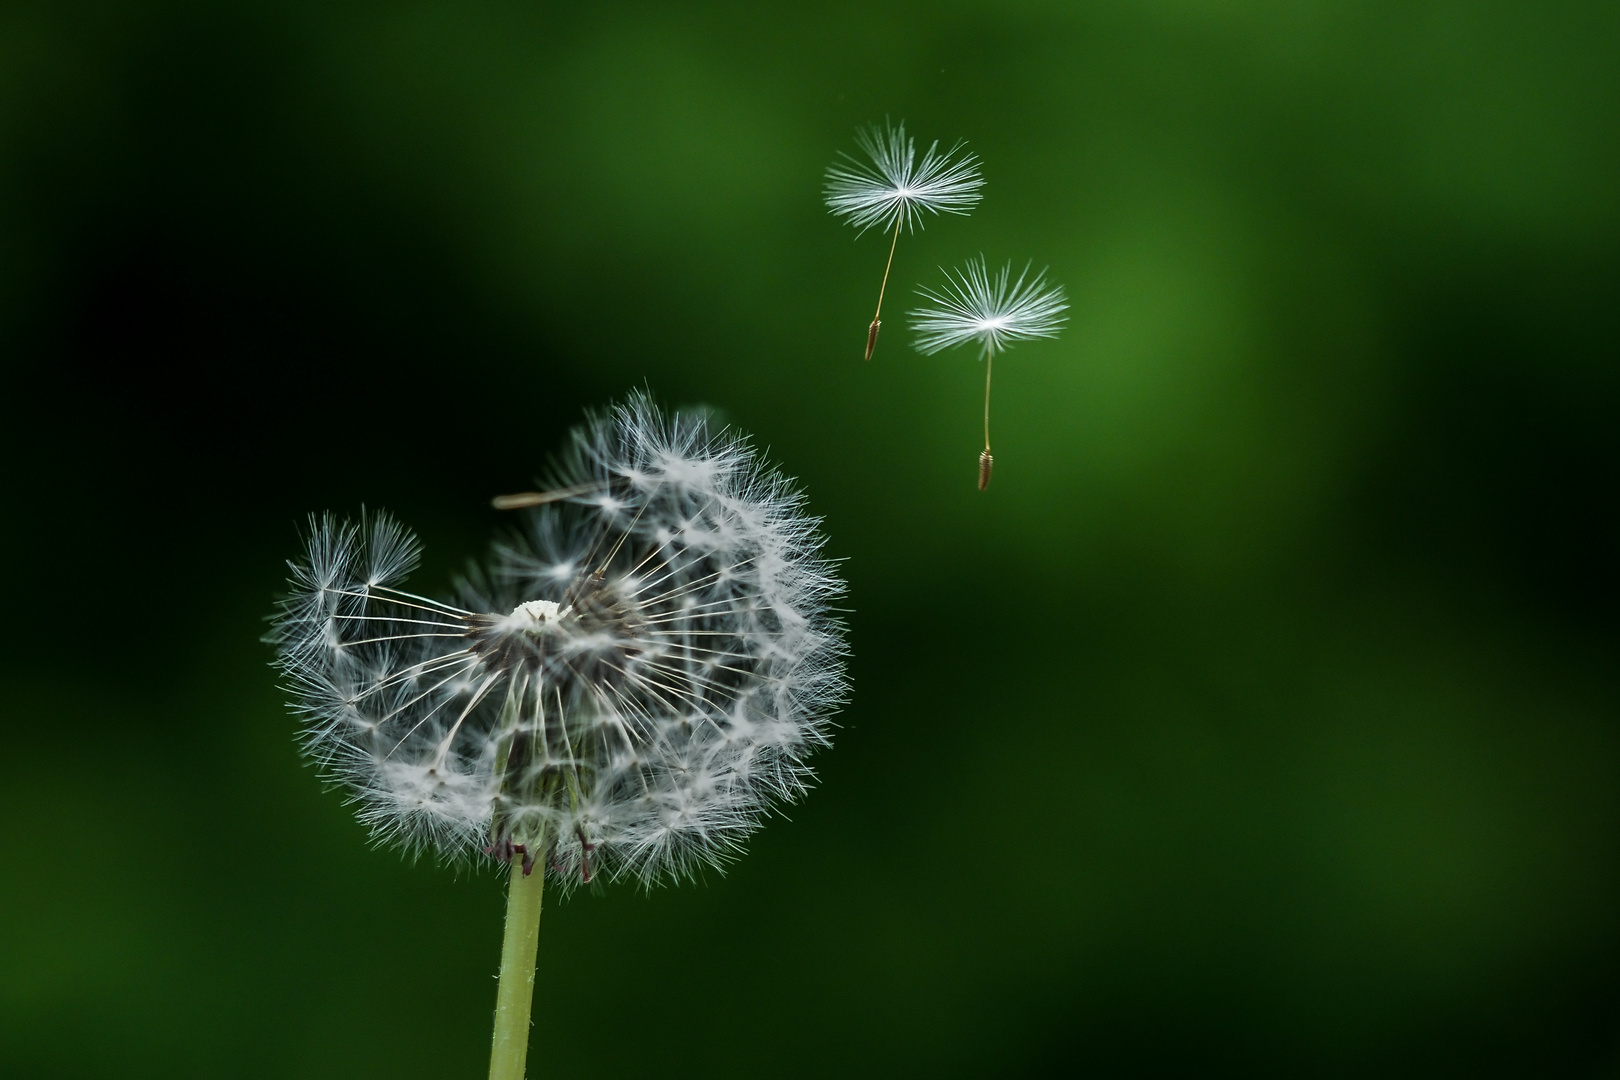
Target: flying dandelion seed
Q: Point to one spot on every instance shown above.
(631, 681)
(993, 310)
(893, 189)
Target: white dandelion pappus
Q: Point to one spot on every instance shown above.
(893, 189)
(635, 677)
(994, 310)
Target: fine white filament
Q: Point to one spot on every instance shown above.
(993, 309)
(892, 186)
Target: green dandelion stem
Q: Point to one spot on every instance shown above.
(512, 1002)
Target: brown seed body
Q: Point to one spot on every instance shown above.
(985, 464)
(871, 337)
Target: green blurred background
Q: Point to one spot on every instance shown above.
(1261, 719)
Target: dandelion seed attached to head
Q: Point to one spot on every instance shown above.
(893, 188)
(994, 310)
(624, 689)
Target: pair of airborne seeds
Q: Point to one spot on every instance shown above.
(891, 189)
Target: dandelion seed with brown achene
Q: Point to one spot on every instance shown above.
(993, 310)
(893, 188)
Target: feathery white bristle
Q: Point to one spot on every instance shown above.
(991, 309)
(893, 186)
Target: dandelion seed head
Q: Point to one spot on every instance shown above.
(892, 187)
(625, 687)
(993, 309)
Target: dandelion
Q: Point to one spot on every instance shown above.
(893, 189)
(994, 311)
(635, 676)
